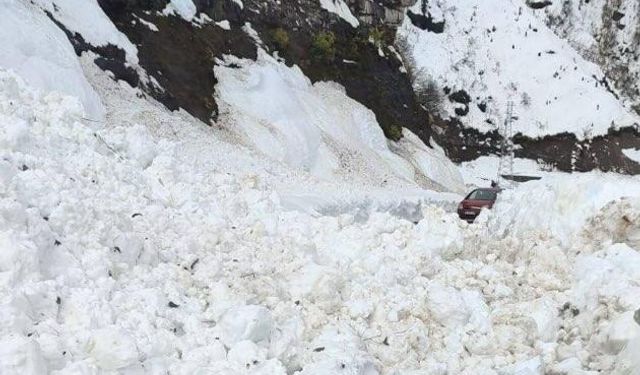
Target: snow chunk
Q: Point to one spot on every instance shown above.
(112, 348)
(632, 153)
(250, 322)
(341, 9)
(183, 8)
(224, 24)
(18, 261)
(135, 142)
(447, 305)
(19, 355)
(622, 330)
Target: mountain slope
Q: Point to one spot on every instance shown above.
(568, 113)
(605, 32)
(484, 54)
(148, 242)
(502, 52)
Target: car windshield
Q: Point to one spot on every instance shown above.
(483, 195)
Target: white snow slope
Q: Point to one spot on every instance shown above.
(318, 128)
(86, 18)
(606, 32)
(34, 47)
(499, 51)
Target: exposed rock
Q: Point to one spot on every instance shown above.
(538, 4)
(425, 22)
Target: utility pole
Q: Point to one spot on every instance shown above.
(505, 166)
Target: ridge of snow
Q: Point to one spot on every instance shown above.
(36, 49)
(632, 153)
(341, 9)
(86, 18)
(183, 8)
(499, 51)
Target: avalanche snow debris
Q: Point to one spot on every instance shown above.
(318, 128)
(381, 295)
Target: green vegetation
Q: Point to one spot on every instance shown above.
(377, 36)
(394, 132)
(280, 37)
(324, 46)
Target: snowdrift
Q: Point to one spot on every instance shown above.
(562, 209)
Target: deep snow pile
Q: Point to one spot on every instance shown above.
(318, 128)
(158, 247)
(499, 51)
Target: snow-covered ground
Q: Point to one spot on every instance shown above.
(341, 9)
(146, 242)
(499, 51)
(86, 18)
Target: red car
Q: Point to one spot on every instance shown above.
(478, 199)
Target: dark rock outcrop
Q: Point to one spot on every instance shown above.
(538, 4)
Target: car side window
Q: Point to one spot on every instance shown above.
(482, 195)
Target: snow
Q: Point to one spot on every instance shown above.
(612, 44)
(224, 24)
(551, 194)
(148, 24)
(86, 18)
(632, 153)
(32, 46)
(183, 8)
(318, 128)
(155, 244)
(499, 51)
(341, 9)
(158, 244)
(481, 171)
